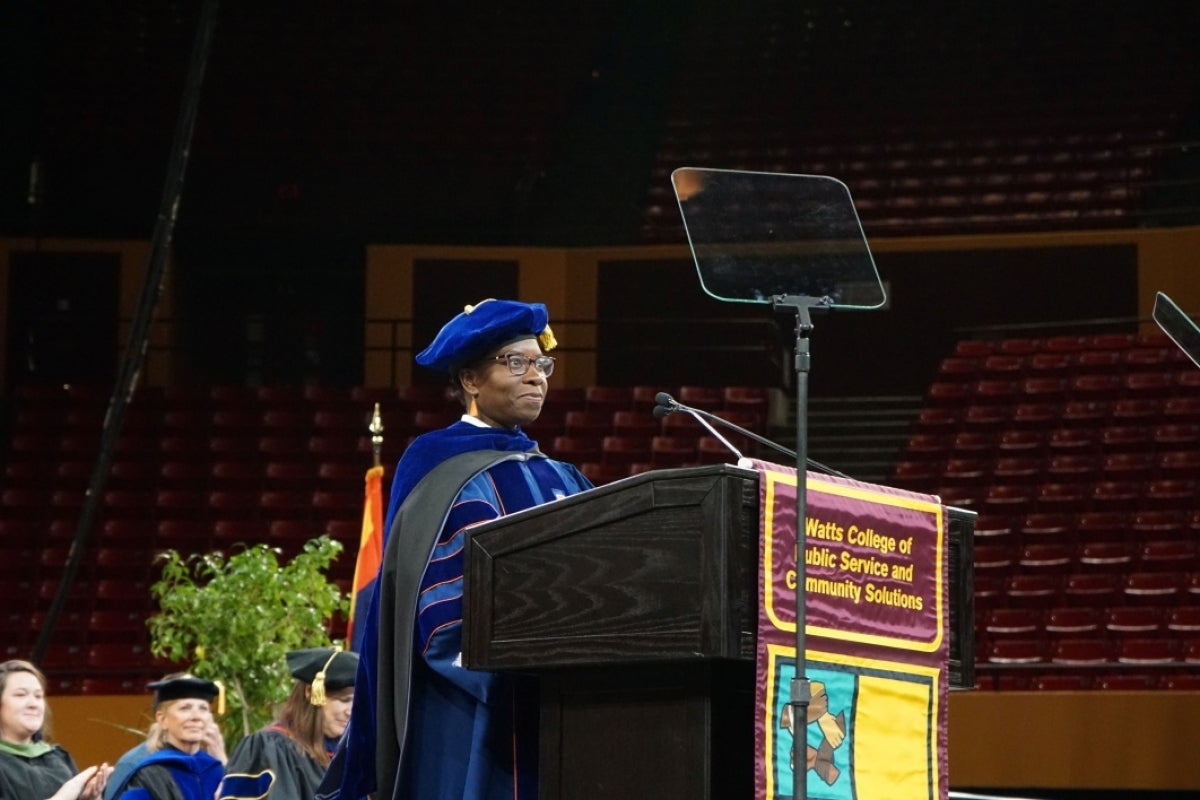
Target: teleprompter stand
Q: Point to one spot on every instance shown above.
(794, 241)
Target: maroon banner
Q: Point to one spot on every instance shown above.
(877, 640)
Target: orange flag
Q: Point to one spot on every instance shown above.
(370, 553)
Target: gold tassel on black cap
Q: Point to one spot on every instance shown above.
(220, 698)
(317, 695)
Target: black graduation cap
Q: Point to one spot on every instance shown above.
(326, 668)
(179, 687)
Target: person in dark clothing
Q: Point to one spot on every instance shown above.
(287, 759)
(179, 768)
(30, 766)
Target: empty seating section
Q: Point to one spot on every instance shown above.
(224, 466)
(966, 162)
(1087, 482)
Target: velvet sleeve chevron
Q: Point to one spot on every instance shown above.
(507, 487)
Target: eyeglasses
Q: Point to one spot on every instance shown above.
(519, 364)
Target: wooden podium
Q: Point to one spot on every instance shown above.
(635, 604)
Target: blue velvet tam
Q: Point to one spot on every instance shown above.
(483, 327)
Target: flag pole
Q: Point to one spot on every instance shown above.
(370, 547)
(376, 429)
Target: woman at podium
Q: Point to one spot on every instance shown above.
(422, 725)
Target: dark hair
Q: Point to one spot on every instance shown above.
(20, 665)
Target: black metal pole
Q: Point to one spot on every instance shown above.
(135, 351)
(801, 687)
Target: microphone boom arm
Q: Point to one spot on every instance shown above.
(668, 404)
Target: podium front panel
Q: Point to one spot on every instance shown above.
(657, 567)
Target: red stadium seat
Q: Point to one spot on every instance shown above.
(995, 528)
(1096, 526)
(1036, 416)
(600, 473)
(1074, 620)
(914, 475)
(1016, 651)
(1065, 441)
(111, 685)
(234, 474)
(1148, 651)
(1033, 590)
(710, 450)
(624, 450)
(1135, 410)
(1105, 556)
(1091, 589)
(671, 451)
(1179, 464)
(1061, 682)
(1127, 682)
(1023, 470)
(1047, 557)
(591, 424)
(1022, 622)
(974, 348)
(994, 558)
(1072, 467)
(1151, 587)
(1167, 554)
(1170, 493)
(1075, 651)
(959, 368)
(575, 449)
(237, 532)
(1125, 621)
(1019, 442)
(1125, 439)
(707, 398)
(117, 657)
(1098, 387)
(281, 504)
(1181, 410)
(1155, 383)
(635, 423)
(607, 399)
(290, 475)
(989, 417)
(117, 626)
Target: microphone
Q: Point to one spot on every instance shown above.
(665, 404)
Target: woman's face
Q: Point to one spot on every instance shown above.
(184, 722)
(504, 400)
(22, 707)
(335, 714)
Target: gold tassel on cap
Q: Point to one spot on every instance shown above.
(546, 340)
(317, 695)
(220, 698)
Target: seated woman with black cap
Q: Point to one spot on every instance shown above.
(288, 758)
(178, 769)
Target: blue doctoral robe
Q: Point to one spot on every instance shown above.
(460, 734)
(171, 774)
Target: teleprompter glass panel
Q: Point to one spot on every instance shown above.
(1178, 326)
(757, 236)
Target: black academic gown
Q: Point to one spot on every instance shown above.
(36, 777)
(269, 764)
